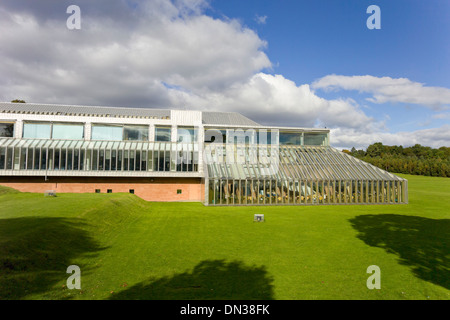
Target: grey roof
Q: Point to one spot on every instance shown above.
(226, 118)
(53, 109)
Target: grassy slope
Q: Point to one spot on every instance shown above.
(130, 249)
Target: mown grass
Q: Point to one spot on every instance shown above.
(127, 248)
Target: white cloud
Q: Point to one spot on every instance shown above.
(345, 138)
(172, 44)
(386, 89)
(260, 19)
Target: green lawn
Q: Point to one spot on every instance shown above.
(131, 249)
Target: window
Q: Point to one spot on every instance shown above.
(187, 135)
(315, 139)
(241, 136)
(139, 133)
(97, 190)
(265, 137)
(215, 135)
(291, 138)
(178, 191)
(132, 191)
(163, 134)
(6, 129)
(49, 130)
(68, 131)
(37, 130)
(107, 132)
(109, 191)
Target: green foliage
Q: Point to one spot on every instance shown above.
(417, 160)
(18, 101)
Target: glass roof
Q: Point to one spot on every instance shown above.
(291, 162)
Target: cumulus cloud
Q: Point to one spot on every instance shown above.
(166, 42)
(275, 100)
(386, 89)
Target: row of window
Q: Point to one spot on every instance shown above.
(179, 191)
(97, 159)
(252, 136)
(102, 132)
(75, 131)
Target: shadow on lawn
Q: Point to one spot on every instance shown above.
(210, 279)
(35, 253)
(421, 243)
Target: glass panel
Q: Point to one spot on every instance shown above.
(6, 129)
(125, 160)
(138, 133)
(23, 159)
(119, 159)
(187, 135)
(67, 131)
(62, 164)
(315, 139)
(113, 133)
(150, 160)
(132, 160)
(37, 130)
(163, 133)
(113, 159)
(2, 158)
(16, 158)
(9, 153)
(264, 137)
(108, 160)
(215, 135)
(37, 157)
(43, 159)
(290, 138)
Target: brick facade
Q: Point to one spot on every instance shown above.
(150, 189)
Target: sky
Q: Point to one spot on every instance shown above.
(285, 62)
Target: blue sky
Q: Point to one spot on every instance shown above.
(311, 39)
(286, 62)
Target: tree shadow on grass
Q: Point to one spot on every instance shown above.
(35, 253)
(421, 243)
(210, 279)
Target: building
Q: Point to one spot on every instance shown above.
(217, 158)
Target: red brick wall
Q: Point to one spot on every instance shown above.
(150, 189)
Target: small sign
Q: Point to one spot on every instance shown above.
(258, 217)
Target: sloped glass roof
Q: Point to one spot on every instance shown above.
(290, 162)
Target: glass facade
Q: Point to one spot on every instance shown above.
(297, 175)
(61, 155)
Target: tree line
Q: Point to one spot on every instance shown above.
(416, 160)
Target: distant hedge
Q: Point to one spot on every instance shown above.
(417, 160)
